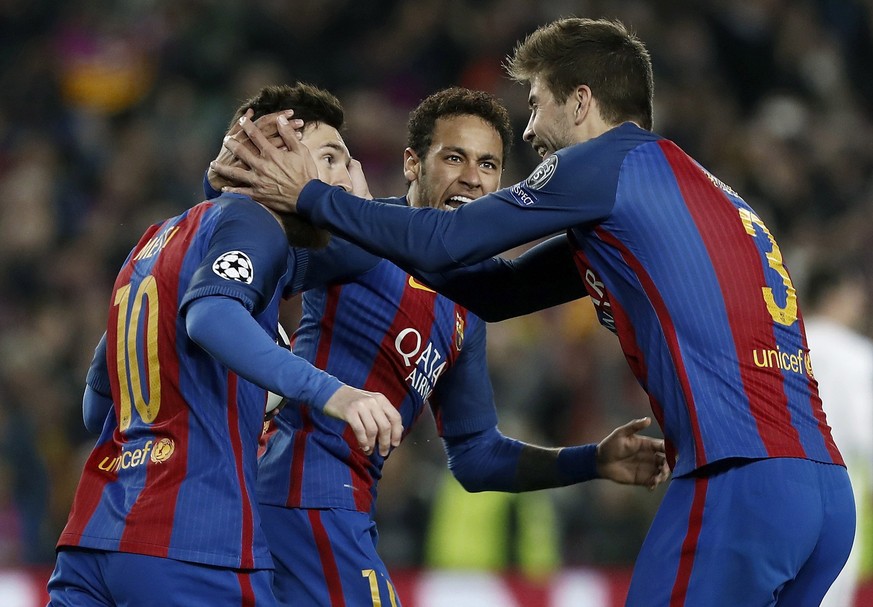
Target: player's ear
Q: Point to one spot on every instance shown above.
(411, 165)
(581, 99)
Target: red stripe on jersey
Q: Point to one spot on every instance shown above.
(388, 375)
(689, 544)
(247, 593)
(94, 479)
(322, 355)
(149, 523)
(738, 267)
(628, 342)
(322, 352)
(817, 409)
(298, 459)
(247, 558)
(460, 316)
(328, 560)
(636, 360)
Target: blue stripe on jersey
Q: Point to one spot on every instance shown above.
(665, 219)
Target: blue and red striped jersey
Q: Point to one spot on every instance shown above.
(382, 331)
(677, 264)
(173, 472)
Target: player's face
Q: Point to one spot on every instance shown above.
(330, 153)
(464, 162)
(549, 127)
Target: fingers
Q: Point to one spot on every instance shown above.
(359, 181)
(232, 173)
(289, 134)
(374, 422)
(255, 135)
(662, 473)
(634, 426)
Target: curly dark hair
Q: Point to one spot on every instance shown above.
(456, 101)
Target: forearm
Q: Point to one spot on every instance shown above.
(224, 328)
(489, 461)
(497, 289)
(424, 238)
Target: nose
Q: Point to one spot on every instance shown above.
(529, 134)
(470, 176)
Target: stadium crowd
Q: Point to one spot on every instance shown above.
(108, 111)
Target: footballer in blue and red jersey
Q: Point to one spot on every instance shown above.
(169, 489)
(385, 331)
(695, 286)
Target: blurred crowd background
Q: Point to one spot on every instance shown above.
(110, 112)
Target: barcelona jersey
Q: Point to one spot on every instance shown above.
(383, 331)
(173, 472)
(680, 267)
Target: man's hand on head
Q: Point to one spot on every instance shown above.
(270, 174)
(268, 126)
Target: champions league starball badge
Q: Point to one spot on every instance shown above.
(542, 173)
(234, 265)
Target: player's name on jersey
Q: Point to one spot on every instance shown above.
(156, 243)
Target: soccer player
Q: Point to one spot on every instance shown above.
(165, 512)
(760, 510)
(381, 329)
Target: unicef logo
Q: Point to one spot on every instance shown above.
(234, 265)
(163, 450)
(542, 173)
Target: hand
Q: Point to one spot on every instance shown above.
(628, 458)
(359, 181)
(267, 125)
(270, 175)
(371, 417)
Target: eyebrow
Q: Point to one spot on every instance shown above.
(464, 152)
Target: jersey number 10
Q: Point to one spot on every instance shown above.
(127, 360)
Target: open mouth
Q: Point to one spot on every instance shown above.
(456, 201)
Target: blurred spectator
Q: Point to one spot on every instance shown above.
(842, 361)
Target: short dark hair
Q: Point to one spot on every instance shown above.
(310, 104)
(600, 53)
(456, 101)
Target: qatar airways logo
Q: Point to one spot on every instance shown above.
(597, 293)
(425, 361)
(795, 362)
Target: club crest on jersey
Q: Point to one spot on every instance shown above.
(163, 450)
(234, 265)
(459, 331)
(543, 173)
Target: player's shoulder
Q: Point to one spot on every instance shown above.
(618, 141)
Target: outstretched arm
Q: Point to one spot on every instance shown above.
(497, 289)
(425, 238)
(489, 461)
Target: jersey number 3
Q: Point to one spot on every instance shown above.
(127, 360)
(787, 314)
